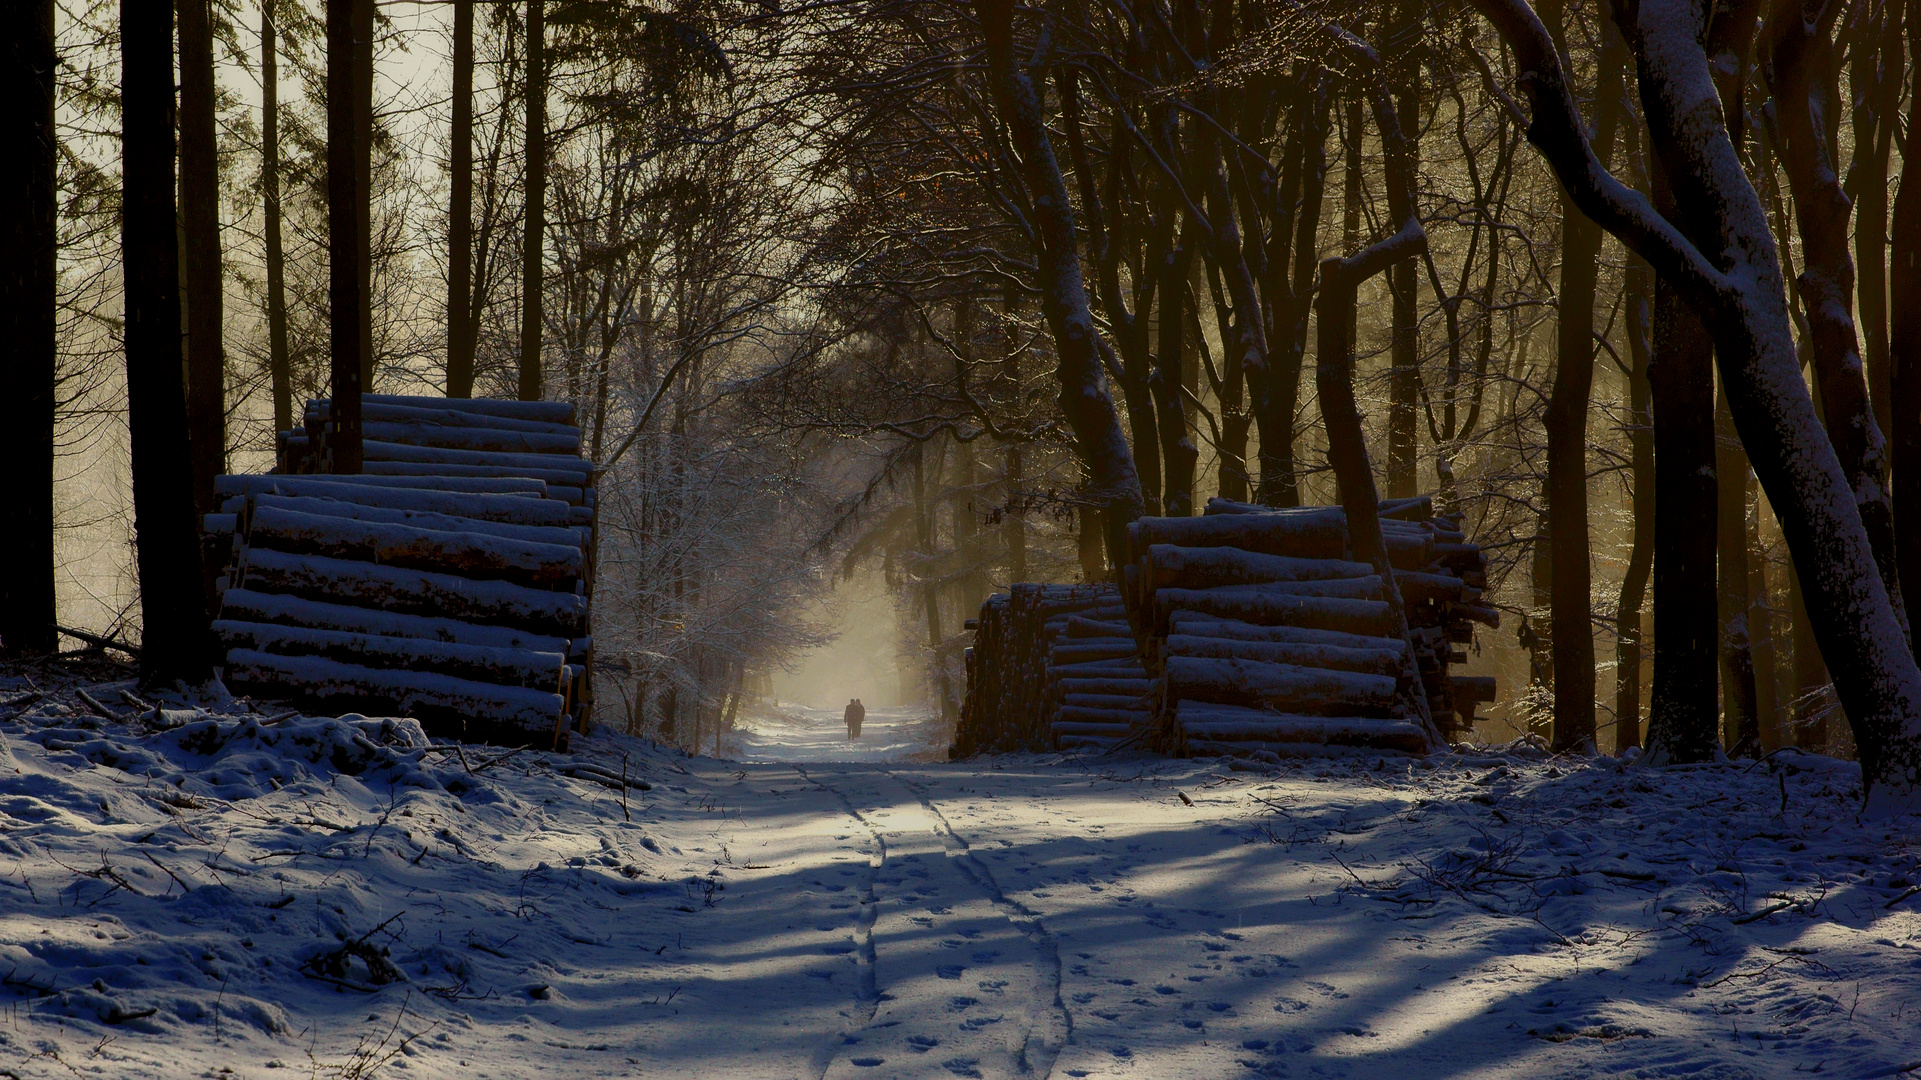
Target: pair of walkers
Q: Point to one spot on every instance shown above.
(856, 712)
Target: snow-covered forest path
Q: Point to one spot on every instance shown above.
(237, 897)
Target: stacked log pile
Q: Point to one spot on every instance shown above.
(450, 581)
(1246, 631)
(1052, 666)
(1265, 638)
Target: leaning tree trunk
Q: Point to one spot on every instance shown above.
(174, 637)
(460, 213)
(29, 237)
(1737, 285)
(1085, 399)
(200, 230)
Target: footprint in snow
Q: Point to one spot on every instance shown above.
(949, 971)
(866, 1062)
(960, 1003)
(920, 1044)
(962, 1066)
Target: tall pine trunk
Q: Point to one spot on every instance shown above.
(460, 213)
(1732, 604)
(174, 628)
(279, 364)
(1682, 718)
(349, 234)
(1404, 376)
(533, 240)
(1904, 341)
(200, 229)
(1634, 583)
(29, 241)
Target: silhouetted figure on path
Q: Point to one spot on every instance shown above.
(855, 714)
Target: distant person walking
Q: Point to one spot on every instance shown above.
(855, 714)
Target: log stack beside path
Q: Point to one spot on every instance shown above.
(450, 581)
(1248, 631)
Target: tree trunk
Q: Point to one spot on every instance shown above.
(1085, 399)
(532, 250)
(1280, 398)
(1732, 603)
(1178, 455)
(200, 228)
(1682, 718)
(1737, 283)
(1904, 343)
(1803, 80)
(279, 364)
(1627, 618)
(174, 637)
(460, 213)
(349, 37)
(29, 239)
(1404, 374)
(1876, 83)
(1761, 626)
(1334, 372)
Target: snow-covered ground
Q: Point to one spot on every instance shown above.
(260, 898)
(800, 733)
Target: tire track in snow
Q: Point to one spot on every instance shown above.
(867, 991)
(1049, 1024)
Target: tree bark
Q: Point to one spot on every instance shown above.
(1737, 283)
(1741, 714)
(29, 240)
(1627, 617)
(1682, 718)
(1904, 343)
(1334, 369)
(1085, 399)
(533, 246)
(1876, 82)
(174, 637)
(279, 364)
(200, 229)
(1404, 375)
(460, 212)
(349, 245)
(1801, 75)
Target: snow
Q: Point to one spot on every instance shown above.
(190, 894)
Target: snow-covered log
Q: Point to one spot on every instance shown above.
(566, 479)
(250, 605)
(1368, 617)
(1198, 624)
(241, 484)
(507, 667)
(569, 536)
(491, 440)
(413, 592)
(511, 509)
(1317, 533)
(429, 411)
(391, 451)
(1207, 567)
(1317, 691)
(1384, 661)
(548, 412)
(423, 694)
(472, 555)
